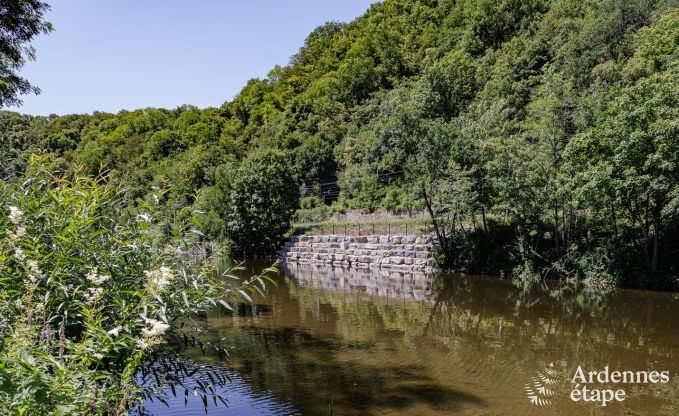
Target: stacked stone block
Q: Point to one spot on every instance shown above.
(405, 253)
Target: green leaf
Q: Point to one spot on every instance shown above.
(225, 304)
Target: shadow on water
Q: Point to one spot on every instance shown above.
(378, 342)
(322, 372)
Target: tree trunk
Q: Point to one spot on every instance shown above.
(556, 230)
(654, 260)
(483, 218)
(647, 256)
(615, 222)
(437, 230)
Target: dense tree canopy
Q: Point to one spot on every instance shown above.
(541, 134)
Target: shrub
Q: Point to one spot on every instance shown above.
(89, 291)
(252, 206)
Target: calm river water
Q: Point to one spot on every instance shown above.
(378, 343)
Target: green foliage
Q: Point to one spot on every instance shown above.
(631, 159)
(659, 44)
(452, 82)
(252, 204)
(314, 159)
(90, 291)
(20, 22)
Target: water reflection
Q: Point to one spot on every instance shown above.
(393, 343)
(237, 395)
(377, 282)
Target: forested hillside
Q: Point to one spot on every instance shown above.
(541, 136)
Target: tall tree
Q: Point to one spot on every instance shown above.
(252, 204)
(20, 22)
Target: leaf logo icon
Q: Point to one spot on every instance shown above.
(541, 388)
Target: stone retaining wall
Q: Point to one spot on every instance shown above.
(407, 253)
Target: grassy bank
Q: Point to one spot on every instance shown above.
(380, 226)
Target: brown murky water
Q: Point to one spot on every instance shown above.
(377, 343)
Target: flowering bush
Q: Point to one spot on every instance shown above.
(90, 290)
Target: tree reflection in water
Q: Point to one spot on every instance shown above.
(377, 342)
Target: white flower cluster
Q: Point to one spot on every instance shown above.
(16, 235)
(16, 218)
(19, 254)
(157, 280)
(96, 278)
(115, 331)
(93, 293)
(152, 334)
(15, 215)
(157, 328)
(34, 272)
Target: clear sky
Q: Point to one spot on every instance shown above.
(126, 54)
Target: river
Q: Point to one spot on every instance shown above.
(348, 342)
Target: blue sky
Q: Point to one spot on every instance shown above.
(123, 54)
